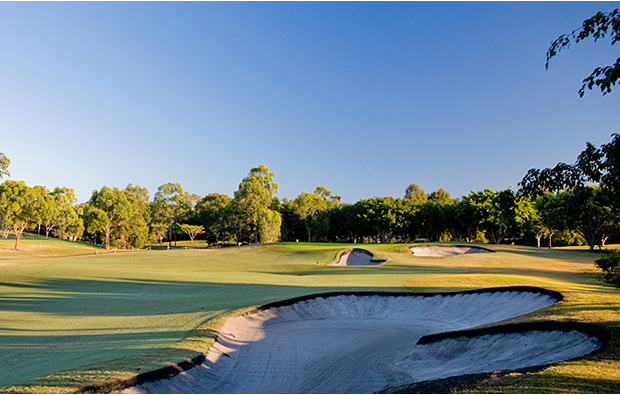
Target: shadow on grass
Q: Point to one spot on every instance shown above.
(145, 308)
(574, 256)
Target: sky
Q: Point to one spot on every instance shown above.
(363, 98)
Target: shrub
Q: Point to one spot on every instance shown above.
(609, 263)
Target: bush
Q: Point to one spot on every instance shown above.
(609, 263)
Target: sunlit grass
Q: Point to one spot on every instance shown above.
(69, 321)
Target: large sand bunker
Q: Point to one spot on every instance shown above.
(363, 343)
(356, 257)
(445, 250)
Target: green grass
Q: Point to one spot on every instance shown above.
(69, 320)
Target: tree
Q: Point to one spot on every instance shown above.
(46, 209)
(64, 199)
(307, 206)
(134, 231)
(17, 203)
(255, 193)
(602, 165)
(268, 226)
(192, 230)
(502, 214)
(597, 27)
(108, 208)
(416, 194)
(213, 213)
(383, 217)
(588, 210)
(433, 221)
(550, 180)
(158, 232)
(4, 165)
(169, 204)
(468, 218)
(440, 197)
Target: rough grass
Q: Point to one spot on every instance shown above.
(68, 321)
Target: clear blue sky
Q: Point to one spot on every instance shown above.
(363, 98)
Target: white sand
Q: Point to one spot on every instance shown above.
(445, 250)
(363, 344)
(357, 257)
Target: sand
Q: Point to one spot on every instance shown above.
(445, 250)
(366, 343)
(357, 257)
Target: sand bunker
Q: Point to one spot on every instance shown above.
(445, 250)
(356, 257)
(352, 343)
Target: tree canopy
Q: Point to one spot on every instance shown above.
(597, 27)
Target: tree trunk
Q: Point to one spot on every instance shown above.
(550, 238)
(18, 232)
(169, 234)
(107, 237)
(39, 230)
(308, 229)
(538, 240)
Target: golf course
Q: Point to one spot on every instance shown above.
(78, 318)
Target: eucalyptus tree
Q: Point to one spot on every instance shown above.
(75, 229)
(307, 206)
(46, 210)
(134, 231)
(440, 197)
(169, 204)
(255, 193)
(64, 199)
(17, 206)
(107, 209)
(416, 194)
(269, 226)
(213, 213)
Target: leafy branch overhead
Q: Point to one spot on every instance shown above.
(4, 165)
(598, 26)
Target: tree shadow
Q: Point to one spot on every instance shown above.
(117, 318)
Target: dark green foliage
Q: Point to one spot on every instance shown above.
(597, 27)
(609, 263)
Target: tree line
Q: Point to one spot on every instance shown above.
(569, 203)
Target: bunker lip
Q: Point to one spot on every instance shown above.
(592, 330)
(440, 250)
(588, 329)
(518, 288)
(458, 384)
(356, 257)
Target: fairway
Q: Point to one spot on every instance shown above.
(75, 320)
